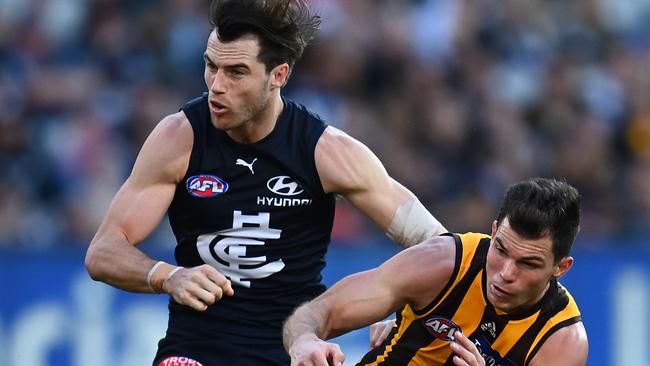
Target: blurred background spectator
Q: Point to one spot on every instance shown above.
(458, 98)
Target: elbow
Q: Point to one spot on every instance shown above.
(92, 263)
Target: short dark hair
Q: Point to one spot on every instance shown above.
(542, 206)
(284, 27)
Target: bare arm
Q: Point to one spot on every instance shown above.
(348, 167)
(137, 209)
(369, 296)
(567, 346)
(139, 205)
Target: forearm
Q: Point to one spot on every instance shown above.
(309, 320)
(117, 262)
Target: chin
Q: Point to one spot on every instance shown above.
(222, 123)
(500, 305)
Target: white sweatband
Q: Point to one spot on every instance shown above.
(172, 273)
(413, 224)
(150, 274)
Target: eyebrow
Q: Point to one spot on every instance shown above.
(233, 66)
(532, 258)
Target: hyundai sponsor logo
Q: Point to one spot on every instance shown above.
(284, 186)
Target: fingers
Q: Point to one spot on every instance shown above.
(466, 352)
(379, 332)
(218, 279)
(374, 330)
(193, 302)
(198, 287)
(382, 337)
(337, 356)
(317, 353)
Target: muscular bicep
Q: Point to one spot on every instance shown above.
(136, 210)
(143, 199)
(349, 168)
(567, 346)
(407, 278)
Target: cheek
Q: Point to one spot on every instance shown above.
(492, 264)
(534, 281)
(208, 77)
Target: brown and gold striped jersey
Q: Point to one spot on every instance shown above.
(421, 337)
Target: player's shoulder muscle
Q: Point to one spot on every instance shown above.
(422, 271)
(568, 345)
(164, 156)
(344, 163)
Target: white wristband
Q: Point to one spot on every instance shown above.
(150, 274)
(172, 273)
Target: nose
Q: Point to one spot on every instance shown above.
(509, 271)
(218, 85)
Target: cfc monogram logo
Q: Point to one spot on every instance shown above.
(230, 248)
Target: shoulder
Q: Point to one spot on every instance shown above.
(345, 164)
(335, 147)
(167, 149)
(175, 126)
(333, 138)
(566, 346)
(302, 111)
(423, 270)
(174, 133)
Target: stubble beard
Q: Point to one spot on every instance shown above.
(250, 113)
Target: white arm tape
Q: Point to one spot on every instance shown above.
(412, 224)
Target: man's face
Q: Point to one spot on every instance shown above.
(519, 269)
(238, 84)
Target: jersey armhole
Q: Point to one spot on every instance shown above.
(457, 263)
(555, 328)
(196, 112)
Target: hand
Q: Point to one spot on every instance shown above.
(466, 352)
(379, 331)
(198, 287)
(309, 350)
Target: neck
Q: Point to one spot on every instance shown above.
(260, 125)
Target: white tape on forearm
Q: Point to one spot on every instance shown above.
(412, 224)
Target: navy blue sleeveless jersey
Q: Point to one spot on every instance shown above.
(258, 214)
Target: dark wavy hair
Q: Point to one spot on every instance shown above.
(542, 206)
(284, 27)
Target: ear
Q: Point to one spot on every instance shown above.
(279, 75)
(563, 266)
(494, 228)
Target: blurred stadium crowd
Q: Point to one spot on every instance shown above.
(458, 98)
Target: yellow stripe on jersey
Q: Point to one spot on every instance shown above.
(502, 339)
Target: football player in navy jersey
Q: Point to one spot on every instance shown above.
(248, 179)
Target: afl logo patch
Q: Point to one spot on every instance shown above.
(441, 328)
(206, 186)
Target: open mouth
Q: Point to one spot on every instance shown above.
(217, 107)
(500, 292)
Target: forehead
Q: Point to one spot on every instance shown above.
(244, 49)
(520, 246)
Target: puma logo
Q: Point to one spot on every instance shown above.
(249, 166)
